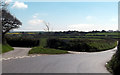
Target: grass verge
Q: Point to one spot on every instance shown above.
(113, 65)
(41, 50)
(6, 48)
(108, 67)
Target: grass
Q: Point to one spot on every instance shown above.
(43, 42)
(114, 35)
(81, 38)
(107, 33)
(41, 50)
(108, 67)
(6, 48)
(113, 65)
(99, 44)
(103, 45)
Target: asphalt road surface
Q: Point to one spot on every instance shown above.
(17, 52)
(64, 63)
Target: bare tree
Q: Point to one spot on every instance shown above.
(9, 21)
(47, 26)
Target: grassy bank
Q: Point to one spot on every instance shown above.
(113, 65)
(82, 45)
(6, 48)
(103, 44)
(41, 50)
(99, 44)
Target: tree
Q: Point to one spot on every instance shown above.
(47, 26)
(9, 21)
(103, 31)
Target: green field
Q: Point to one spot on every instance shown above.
(107, 33)
(80, 38)
(100, 35)
(114, 35)
(94, 41)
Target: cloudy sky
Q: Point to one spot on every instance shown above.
(62, 16)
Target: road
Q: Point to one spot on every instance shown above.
(17, 52)
(65, 63)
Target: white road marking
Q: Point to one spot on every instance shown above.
(73, 52)
(19, 57)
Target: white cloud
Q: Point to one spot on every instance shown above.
(8, 1)
(114, 19)
(18, 4)
(35, 15)
(80, 27)
(90, 27)
(35, 22)
(34, 25)
(90, 18)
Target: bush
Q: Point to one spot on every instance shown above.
(73, 45)
(54, 43)
(23, 42)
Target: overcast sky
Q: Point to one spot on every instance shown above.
(62, 16)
